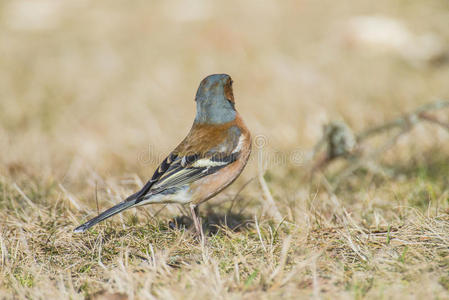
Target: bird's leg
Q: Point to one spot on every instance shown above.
(194, 210)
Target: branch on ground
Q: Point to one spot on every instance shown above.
(339, 140)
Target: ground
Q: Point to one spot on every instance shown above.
(94, 94)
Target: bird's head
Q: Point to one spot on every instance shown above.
(215, 100)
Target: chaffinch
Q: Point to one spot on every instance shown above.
(209, 159)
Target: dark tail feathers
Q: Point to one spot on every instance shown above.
(106, 214)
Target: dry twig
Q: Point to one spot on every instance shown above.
(340, 141)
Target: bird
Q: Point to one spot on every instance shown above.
(209, 159)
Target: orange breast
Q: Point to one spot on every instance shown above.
(211, 185)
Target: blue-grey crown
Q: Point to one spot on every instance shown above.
(212, 105)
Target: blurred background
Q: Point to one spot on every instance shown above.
(92, 90)
(93, 94)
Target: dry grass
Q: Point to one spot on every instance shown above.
(94, 93)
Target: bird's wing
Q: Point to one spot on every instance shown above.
(186, 164)
(191, 168)
(185, 170)
(204, 151)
